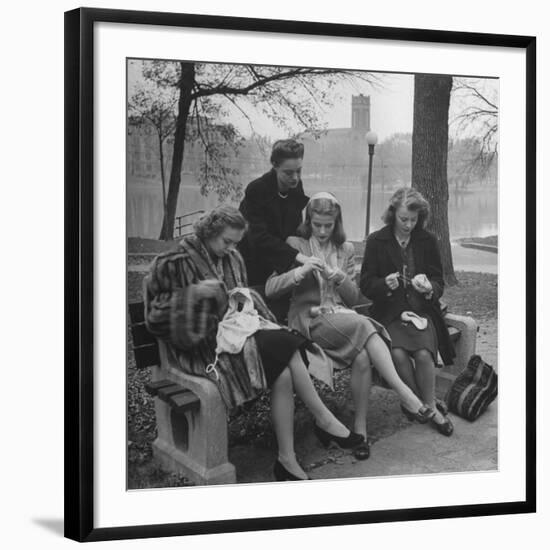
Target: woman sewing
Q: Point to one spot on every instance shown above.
(402, 275)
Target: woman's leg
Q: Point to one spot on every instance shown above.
(404, 368)
(282, 415)
(382, 360)
(306, 390)
(425, 380)
(361, 380)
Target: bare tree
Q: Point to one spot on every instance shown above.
(429, 157)
(153, 104)
(476, 103)
(208, 93)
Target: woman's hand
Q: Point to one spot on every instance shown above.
(336, 275)
(326, 271)
(422, 284)
(311, 264)
(302, 258)
(392, 280)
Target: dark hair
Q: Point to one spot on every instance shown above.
(286, 149)
(412, 200)
(212, 224)
(324, 206)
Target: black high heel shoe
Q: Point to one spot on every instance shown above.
(445, 428)
(282, 474)
(422, 416)
(362, 451)
(349, 442)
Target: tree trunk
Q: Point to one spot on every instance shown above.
(186, 83)
(162, 174)
(429, 157)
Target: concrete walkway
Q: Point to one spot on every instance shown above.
(415, 449)
(419, 449)
(400, 447)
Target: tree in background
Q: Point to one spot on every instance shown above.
(153, 104)
(209, 93)
(429, 157)
(476, 103)
(395, 155)
(464, 167)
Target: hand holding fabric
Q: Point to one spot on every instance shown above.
(311, 264)
(336, 275)
(422, 284)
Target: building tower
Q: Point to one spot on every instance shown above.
(360, 113)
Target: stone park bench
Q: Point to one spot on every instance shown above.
(191, 418)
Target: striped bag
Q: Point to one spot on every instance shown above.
(473, 390)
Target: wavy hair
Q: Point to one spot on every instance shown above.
(324, 207)
(211, 224)
(286, 149)
(413, 200)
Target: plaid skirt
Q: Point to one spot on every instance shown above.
(344, 335)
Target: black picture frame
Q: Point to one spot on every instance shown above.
(79, 269)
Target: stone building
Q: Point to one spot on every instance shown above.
(340, 150)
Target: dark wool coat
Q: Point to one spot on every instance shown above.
(382, 257)
(271, 221)
(172, 311)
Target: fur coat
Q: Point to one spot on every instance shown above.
(175, 313)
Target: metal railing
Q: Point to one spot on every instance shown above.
(179, 226)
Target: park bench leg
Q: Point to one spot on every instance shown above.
(193, 442)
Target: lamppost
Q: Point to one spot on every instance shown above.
(372, 140)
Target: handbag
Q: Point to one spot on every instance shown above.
(473, 390)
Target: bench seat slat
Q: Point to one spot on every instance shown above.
(153, 387)
(168, 391)
(137, 313)
(141, 335)
(185, 401)
(147, 356)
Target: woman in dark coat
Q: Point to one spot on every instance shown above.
(186, 295)
(273, 206)
(403, 276)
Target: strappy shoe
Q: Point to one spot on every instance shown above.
(441, 406)
(422, 416)
(446, 428)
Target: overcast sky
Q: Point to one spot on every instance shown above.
(391, 106)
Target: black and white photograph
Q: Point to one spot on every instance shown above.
(275, 275)
(312, 273)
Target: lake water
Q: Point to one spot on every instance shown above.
(471, 213)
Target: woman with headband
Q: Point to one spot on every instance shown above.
(402, 275)
(323, 292)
